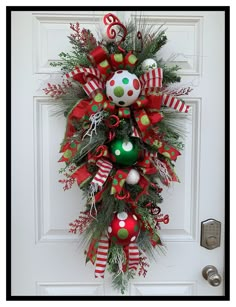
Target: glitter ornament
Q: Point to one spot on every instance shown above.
(123, 88)
(148, 65)
(133, 177)
(124, 228)
(124, 152)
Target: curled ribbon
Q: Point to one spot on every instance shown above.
(111, 21)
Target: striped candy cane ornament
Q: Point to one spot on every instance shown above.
(102, 254)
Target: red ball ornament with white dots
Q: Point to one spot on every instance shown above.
(123, 88)
(124, 228)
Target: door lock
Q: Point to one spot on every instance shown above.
(210, 273)
(210, 233)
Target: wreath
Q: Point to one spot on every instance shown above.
(122, 138)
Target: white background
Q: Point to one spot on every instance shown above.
(3, 142)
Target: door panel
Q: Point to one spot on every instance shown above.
(46, 258)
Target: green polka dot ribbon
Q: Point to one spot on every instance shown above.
(68, 150)
(142, 119)
(105, 68)
(119, 181)
(130, 60)
(117, 61)
(146, 164)
(96, 103)
(141, 102)
(92, 251)
(124, 112)
(109, 107)
(168, 151)
(99, 58)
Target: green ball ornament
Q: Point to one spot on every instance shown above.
(124, 152)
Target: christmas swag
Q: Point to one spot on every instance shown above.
(123, 136)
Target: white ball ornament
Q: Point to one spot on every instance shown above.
(123, 88)
(133, 177)
(148, 65)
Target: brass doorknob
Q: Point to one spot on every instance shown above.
(210, 273)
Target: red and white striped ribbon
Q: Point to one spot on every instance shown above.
(91, 88)
(151, 79)
(103, 172)
(174, 103)
(135, 132)
(84, 70)
(102, 253)
(133, 256)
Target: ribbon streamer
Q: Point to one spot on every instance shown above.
(92, 87)
(174, 103)
(102, 174)
(151, 80)
(83, 73)
(133, 256)
(102, 254)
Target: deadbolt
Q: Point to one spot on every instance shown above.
(211, 274)
(210, 233)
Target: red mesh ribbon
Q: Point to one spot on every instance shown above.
(102, 254)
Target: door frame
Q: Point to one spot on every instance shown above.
(8, 156)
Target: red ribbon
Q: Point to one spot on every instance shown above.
(97, 55)
(81, 174)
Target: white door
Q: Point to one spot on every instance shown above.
(46, 258)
